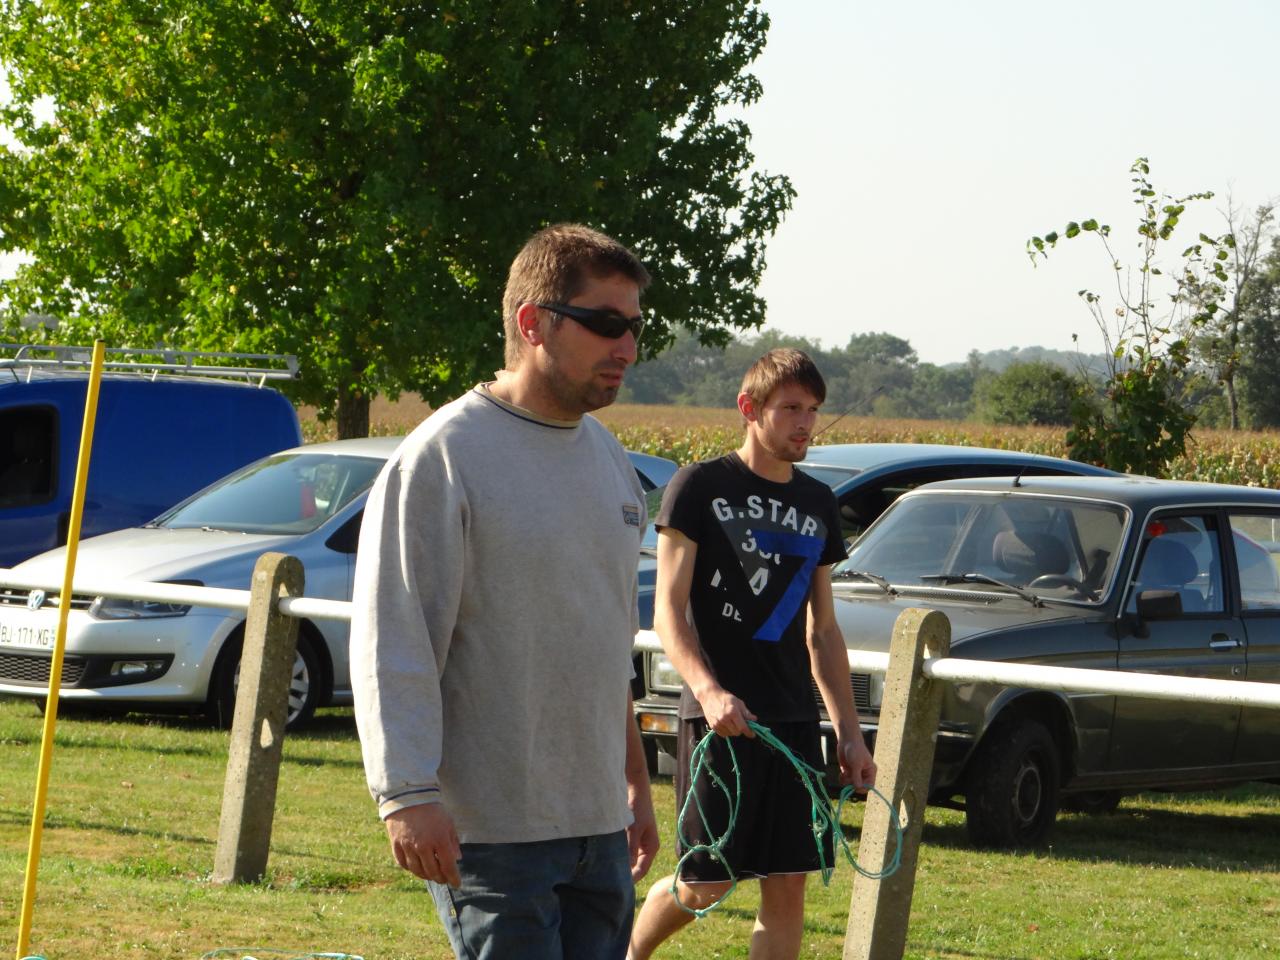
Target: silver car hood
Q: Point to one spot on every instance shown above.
(156, 553)
(867, 619)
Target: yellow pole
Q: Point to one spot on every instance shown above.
(60, 642)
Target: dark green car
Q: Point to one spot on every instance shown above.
(1104, 573)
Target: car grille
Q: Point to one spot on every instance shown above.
(861, 684)
(22, 668)
(10, 597)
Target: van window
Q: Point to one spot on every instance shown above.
(28, 452)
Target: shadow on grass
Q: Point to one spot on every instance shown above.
(62, 822)
(10, 816)
(86, 731)
(1141, 833)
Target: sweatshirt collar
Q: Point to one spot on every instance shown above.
(524, 414)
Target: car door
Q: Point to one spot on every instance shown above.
(1255, 543)
(1181, 554)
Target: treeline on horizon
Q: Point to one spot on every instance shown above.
(880, 374)
(876, 374)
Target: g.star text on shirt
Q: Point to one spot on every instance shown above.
(755, 510)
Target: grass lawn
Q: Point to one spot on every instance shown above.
(133, 816)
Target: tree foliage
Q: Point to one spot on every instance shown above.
(349, 181)
(1028, 393)
(1218, 345)
(1260, 355)
(1140, 423)
(873, 373)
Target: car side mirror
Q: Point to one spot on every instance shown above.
(1159, 604)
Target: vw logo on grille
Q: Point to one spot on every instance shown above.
(35, 600)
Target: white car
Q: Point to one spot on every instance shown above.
(307, 501)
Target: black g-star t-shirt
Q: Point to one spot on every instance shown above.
(759, 543)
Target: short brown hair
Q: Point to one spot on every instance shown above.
(552, 268)
(780, 366)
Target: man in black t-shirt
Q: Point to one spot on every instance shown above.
(745, 545)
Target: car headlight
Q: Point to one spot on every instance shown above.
(875, 690)
(662, 675)
(113, 608)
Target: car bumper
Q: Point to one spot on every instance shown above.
(163, 659)
(658, 719)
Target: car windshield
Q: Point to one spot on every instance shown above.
(290, 493)
(1058, 549)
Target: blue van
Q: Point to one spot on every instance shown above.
(165, 428)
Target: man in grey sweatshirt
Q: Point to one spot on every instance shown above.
(494, 613)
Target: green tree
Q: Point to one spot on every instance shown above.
(1260, 365)
(866, 372)
(935, 393)
(349, 181)
(1035, 392)
(1218, 345)
(1140, 423)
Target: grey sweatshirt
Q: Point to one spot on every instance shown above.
(494, 611)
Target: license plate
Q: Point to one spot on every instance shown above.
(17, 635)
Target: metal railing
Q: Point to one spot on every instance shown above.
(1249, 693)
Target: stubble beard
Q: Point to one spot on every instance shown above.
(787, 453)
(580, 398)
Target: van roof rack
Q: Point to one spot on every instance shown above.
(153, 362)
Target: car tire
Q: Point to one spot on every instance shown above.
(304, 683)
(1095, 803)
(650, 755)
(1012, 796)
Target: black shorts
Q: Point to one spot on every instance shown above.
(774, 829)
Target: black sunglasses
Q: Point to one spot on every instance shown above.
(604, 323)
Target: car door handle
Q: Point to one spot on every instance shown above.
(1220, 641)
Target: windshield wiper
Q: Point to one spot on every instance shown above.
(983, 578)
(878, 580)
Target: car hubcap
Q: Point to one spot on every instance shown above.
(1027, 792)
(299, 687)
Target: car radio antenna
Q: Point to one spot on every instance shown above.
(852, 407)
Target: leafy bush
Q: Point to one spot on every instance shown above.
(1027, 393)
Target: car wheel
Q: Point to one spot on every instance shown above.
(650, 755)
(1094, 803)
(1012, 797)
(304, 683)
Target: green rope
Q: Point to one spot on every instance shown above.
(821, 815)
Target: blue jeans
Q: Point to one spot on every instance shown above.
(569, 899)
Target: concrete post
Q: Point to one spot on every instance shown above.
(257, 730)
(880, 909)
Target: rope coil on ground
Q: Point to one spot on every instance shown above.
(252, 953)
(822, 816)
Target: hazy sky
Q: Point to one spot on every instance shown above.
(928, 140)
